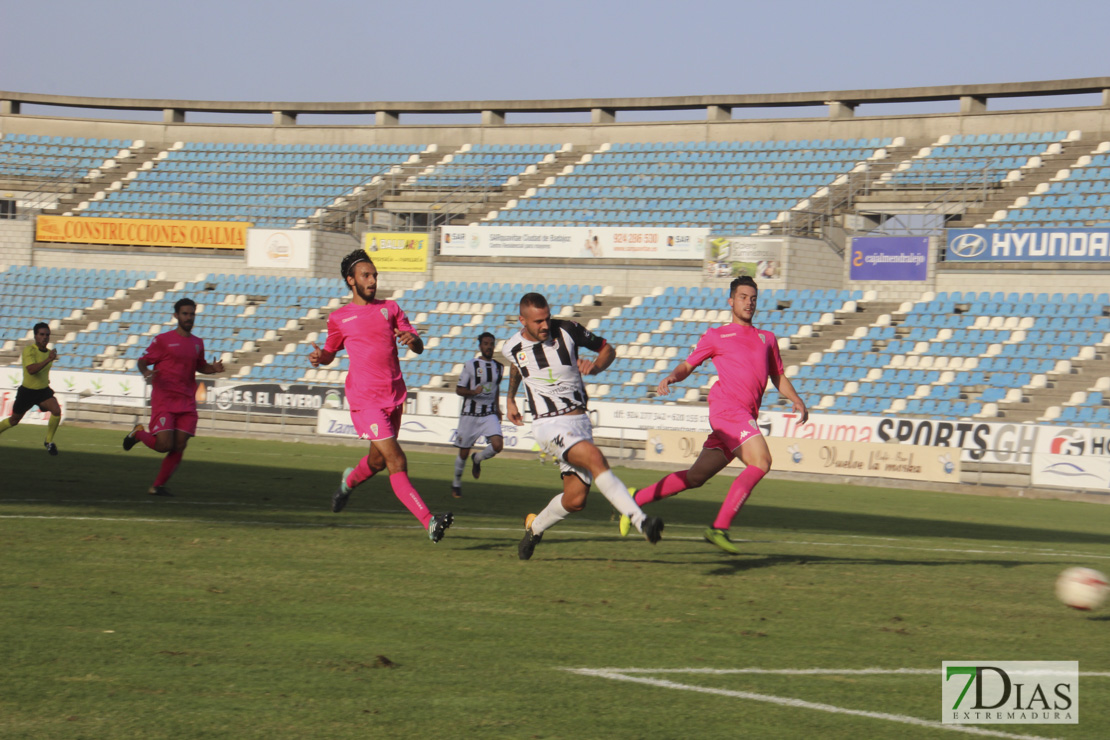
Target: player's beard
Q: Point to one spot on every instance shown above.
(366, 294)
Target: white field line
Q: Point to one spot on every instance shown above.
(561, 530)
(621, 675)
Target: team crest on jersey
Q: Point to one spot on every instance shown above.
(385, 312)
(763, 339)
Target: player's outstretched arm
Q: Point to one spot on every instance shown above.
(786, 388)
(677, 375)
(318, 357)
(211, 368)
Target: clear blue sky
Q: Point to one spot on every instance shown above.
(327, 50)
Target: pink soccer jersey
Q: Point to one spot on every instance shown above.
(744, 357)
(176, 360)
(374, 379)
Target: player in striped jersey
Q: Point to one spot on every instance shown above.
(480, 415)
(544, 355)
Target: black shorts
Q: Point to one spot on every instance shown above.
(25, 398)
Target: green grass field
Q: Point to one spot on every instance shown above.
(243, 608)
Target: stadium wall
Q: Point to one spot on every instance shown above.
(16, 240)
(587, 135)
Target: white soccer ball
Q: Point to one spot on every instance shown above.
(1082, 588)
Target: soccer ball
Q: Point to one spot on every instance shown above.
(1082, 588)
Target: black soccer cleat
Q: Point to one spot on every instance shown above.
(438, 525)
(653, 529)
(159, 491)
(476, 468)
(339, 500)
(51, 447)
(528, 544)
(456, 492)
(131, 440)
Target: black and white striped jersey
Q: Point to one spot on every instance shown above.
(552, 381)
(484, 373)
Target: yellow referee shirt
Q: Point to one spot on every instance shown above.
(32, 355)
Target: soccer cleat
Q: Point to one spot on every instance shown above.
(131, 440)
(159, 491)
(528, 544)
(456, 492)
(476, 468)
(624, 525)
(438, 525)
(719, 537)
(339, 498)
(51, 447)
(652, 529)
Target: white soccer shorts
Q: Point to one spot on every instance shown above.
(472, 427)
(557, 434)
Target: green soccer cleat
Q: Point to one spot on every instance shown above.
(339, 498)
(719, 537)
(624, 525)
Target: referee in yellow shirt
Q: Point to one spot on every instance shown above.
(35, 390)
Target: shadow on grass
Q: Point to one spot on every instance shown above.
(285, 483)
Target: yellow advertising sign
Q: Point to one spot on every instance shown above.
(397, 251)
(142, 232)
(824, 456)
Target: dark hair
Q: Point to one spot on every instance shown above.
(40, 325)
(534, 300)
(742, 280)
(485, 334)
(352, 259)
(182, 303)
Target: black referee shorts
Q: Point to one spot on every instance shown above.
(25, 398)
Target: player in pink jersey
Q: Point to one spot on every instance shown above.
(370, 330)
(170, 365)
(745, 357)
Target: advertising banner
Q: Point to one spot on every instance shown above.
(142, 232)
(397, 251)
(1086, 472)
(1073, 457)
(757, 257)
(970, 441)
(288, 248)
(268, 398)
(829, 457)
(573, 242)
(1028, 245)
(424, 429)
(890, 258)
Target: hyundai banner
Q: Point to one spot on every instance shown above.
(890, 258)
(1028, 245)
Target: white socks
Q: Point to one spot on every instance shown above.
(459, 465)
(551, 515)
(485, 454)
(612, 488)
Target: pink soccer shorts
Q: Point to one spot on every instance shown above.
(377, 424)
(732, 427)
(161, 421)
